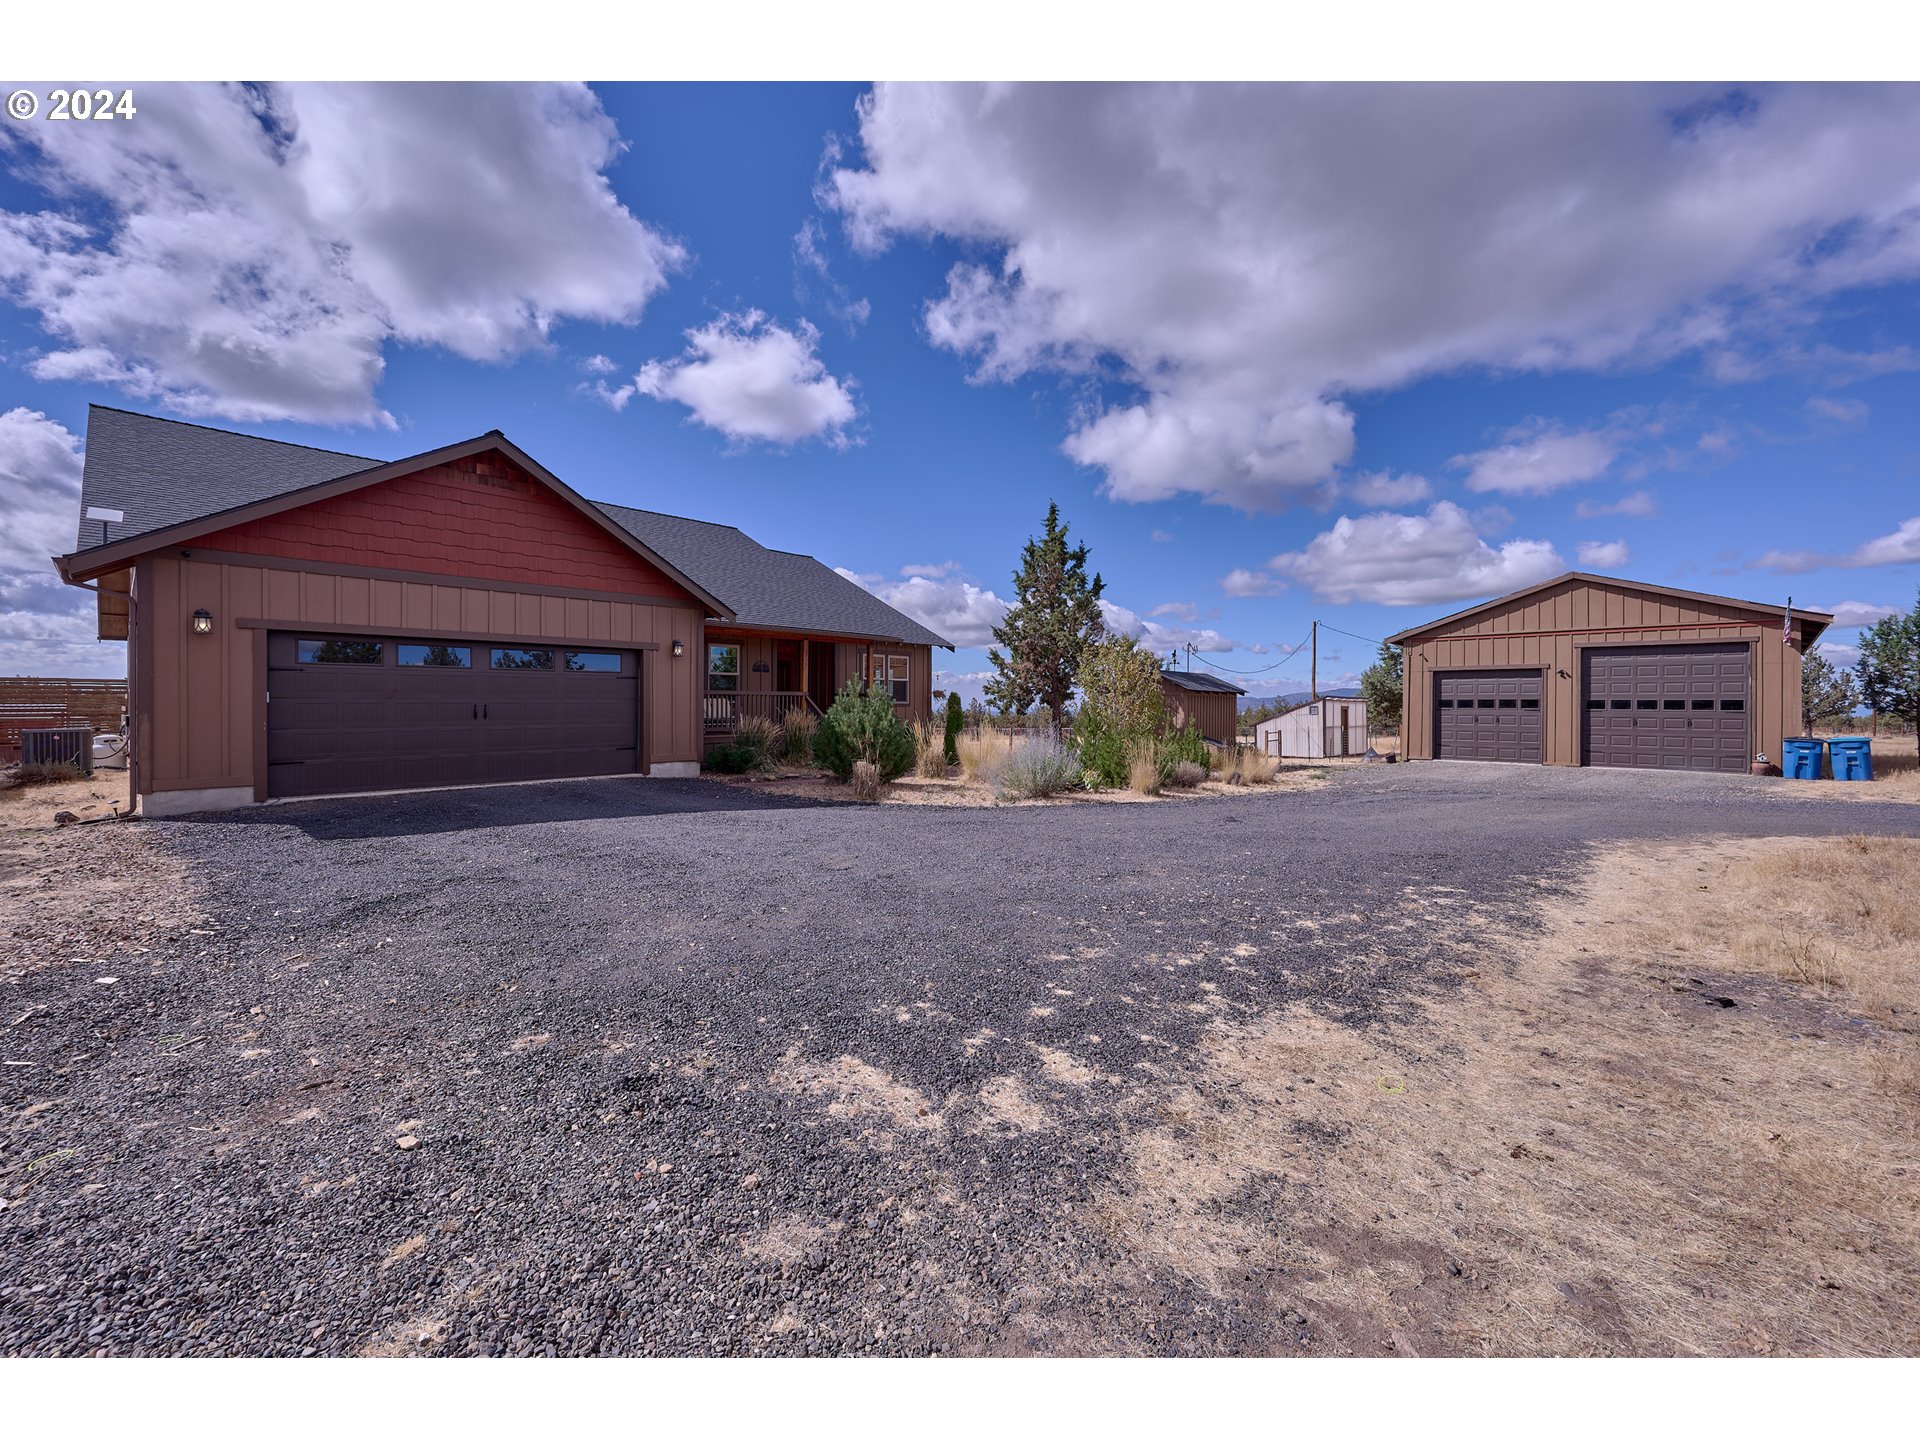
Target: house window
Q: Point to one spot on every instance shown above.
(523, 659)
(340, 652)
(723, 667)
(456, 657)
(592, 662)
(890, 673)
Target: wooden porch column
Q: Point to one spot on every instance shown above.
(869, 665)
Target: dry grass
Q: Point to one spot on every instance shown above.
(1583, 1151)
(929, 751)
(864, 782)
(1896, 775)
(1143, 771)
(797, 729)
(58, 772)
(1186, 775)
(1244, 765)
(981, 753)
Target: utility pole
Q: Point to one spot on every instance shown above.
(1313, 668)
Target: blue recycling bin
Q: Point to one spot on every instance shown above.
(1800, 758)
(1852, 757)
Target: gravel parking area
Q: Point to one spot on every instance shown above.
(668, 1068)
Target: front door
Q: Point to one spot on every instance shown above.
(820, 672)
(786, 666)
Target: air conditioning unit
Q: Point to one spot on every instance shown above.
(68, 745)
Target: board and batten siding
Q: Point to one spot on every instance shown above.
(199, 695)
(1214, 713)
(1548, 631)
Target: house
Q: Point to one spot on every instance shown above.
(307, 622)
(1330, 726)
(1208, 702)
(1590, 670)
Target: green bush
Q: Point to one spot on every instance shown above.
(1184, 744)
(1036, 768)
(1106, 752)
(732, 758)
(956, 717)
(863, 727)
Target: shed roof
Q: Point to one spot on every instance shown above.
(1816, 620)
(1196, 680)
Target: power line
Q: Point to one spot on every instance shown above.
(1292, 655)
(1350, 635)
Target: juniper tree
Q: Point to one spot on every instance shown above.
(1055, 614)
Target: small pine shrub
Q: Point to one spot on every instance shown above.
(865, 782)
(1104, 751)
(864, 727)
(797, 729)
(731, 758)
(956, 719)
(1184, 744)
(1186, 774)
(1036, 768)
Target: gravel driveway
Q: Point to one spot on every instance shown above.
(680, 1069)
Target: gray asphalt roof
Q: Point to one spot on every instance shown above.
(768, 588)
(1194, 680)
(167, 472)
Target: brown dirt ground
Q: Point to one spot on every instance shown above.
(81, 894)
(1653, 1130)
(958, 791)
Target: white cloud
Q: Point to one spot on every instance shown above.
(1850, 614)
(1603, 554)
(46, 627)
(949, 606)
(1537, 458)
(1639, 505)
(753, 380)
(251, 252)
(810, 269)
(1392, 559)
(1159, 638)
(1902, 547)
(1383, 488)
(1247, 257)
(1843, 657)
(1838, 411)
(1160, 537)
(1177, 610)
(933, 572)
(598, 365)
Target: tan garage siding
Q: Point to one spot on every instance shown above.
(200, 694)
(1214, 713)
(1547, 630)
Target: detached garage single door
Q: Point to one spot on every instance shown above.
(351, 713)
(1487, 715)
(1675, 707)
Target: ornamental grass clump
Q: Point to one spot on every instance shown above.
(930, 762)
(1186, 775)
(1146, 773)
(797, 729)
(1036, 768)
(758, 739)
(864, 781)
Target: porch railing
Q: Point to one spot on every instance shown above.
(726, 708)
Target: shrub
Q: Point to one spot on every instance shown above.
(797, 729)
(1184, 744)
(1186, 774)
(1037, 767)
(1105, 752)
(1253, 768)
(47, 772)
(731, 758)
(930, 760)
(863, 727)
(865, 781)
(758, 738)
(956, 719)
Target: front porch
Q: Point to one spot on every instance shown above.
(765, 674)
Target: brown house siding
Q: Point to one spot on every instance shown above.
(1214, 713)
(196, 698)
(1546, 632)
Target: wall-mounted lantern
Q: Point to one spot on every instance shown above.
(202, 622)
(679, 648)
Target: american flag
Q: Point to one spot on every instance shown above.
(1786, 623)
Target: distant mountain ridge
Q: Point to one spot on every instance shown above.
(1297, 697)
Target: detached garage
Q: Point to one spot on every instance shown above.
(1589, 670)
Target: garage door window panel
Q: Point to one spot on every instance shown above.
(440, 657)
(504, 659)
(341, 652)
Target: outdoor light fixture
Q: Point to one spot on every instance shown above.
(202, 622)
(679, 648)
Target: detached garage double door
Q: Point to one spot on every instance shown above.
(1681, 707)
(1487, 715)
(347, 713)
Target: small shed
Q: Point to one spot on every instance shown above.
(1211, 704)
(1330, 726)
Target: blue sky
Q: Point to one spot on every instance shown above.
(1366, 355)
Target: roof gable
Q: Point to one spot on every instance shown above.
(1814, 621)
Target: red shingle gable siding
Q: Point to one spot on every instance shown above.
(482, 516)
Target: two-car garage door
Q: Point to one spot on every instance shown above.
(349, 713)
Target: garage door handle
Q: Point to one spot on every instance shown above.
(476, 712)
(483, 712)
